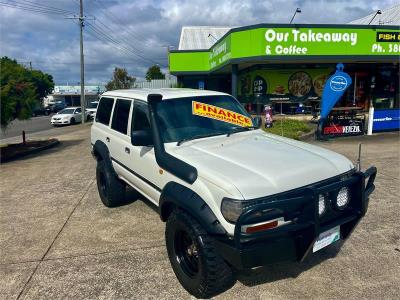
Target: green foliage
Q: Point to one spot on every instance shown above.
(154, 72)
(291, 128)
(120, 80)
(21, 90)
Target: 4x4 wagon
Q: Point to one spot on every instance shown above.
(232, 195)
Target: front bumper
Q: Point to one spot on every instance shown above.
(294, 241)
(59, 122)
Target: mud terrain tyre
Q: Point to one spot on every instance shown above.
(111, 189)
(191, 251)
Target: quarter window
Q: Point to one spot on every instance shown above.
(103, 112)
(121, 115)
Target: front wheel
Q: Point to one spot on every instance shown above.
(194, 259)
(111, 189)
(72, 122)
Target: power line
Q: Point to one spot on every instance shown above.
(34, 8)
(113, 40)
(124, 27)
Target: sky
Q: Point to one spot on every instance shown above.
(133, 34)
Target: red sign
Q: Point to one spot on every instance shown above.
(340, 129)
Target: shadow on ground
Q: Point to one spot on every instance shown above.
(57, 148)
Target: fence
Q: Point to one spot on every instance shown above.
(157, 83)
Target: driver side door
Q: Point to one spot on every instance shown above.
(149, 177)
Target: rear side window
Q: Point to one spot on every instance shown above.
(121, 115)
(140, 120)
(103, 113)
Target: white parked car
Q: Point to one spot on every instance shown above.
(69, 115)
(231, 194)
(91, 109)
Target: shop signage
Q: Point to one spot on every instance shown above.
(334, 90)
(343, 127)
(290, 41)
(387, 36)
(388, 119)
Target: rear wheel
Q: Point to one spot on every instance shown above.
(72, 122)
(111, 189)
(191, 251)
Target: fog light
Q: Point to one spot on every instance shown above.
(321, 205)
(343, 197)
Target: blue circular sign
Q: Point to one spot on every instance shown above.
(338, 83)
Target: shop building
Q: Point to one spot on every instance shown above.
(286, 66)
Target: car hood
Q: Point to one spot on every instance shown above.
(259, 164)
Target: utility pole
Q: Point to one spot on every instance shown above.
(81, 19)
(81, 24)
(30, 65)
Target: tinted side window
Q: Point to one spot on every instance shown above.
(140, 120)
(121, 115)
(78, 110)
(103, 113)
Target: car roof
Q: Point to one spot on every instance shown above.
(72, 107)
(167, 93)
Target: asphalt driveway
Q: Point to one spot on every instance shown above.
(58, 241)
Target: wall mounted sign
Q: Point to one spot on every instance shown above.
(295, 41)
(387, 119)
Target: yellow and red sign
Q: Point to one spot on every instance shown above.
(220, 114)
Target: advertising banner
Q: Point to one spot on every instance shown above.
(334, 89)
(343, 127)
(295, 85)
(388, 119)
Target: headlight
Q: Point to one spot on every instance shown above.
(321, 205)
(231, 209)
(343, 197)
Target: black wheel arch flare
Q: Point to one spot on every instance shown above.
(175, 195)
(101, 152)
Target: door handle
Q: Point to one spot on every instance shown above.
(107, 139)
(127, 150)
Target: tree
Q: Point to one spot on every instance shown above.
(21, 90)
(120, 80)
(154, 72)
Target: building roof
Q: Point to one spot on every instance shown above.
(200, 37)
(389, 16)
(167, 93)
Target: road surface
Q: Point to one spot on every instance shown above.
(35, 124)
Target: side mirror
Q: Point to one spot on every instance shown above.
(257, 122)
(141, 138)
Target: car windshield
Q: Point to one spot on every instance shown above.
(92, 105)
(194, 117)
(67, 111)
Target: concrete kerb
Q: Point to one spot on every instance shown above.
(53, 142)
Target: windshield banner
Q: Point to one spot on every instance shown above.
(220, 114)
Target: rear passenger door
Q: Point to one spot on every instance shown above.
(78, 115)
(119, 141)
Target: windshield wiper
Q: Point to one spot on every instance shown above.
(241, 129)
(198, 136)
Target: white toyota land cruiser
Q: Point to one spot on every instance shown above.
(231, 195)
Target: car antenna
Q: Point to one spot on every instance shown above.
(359, 158)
